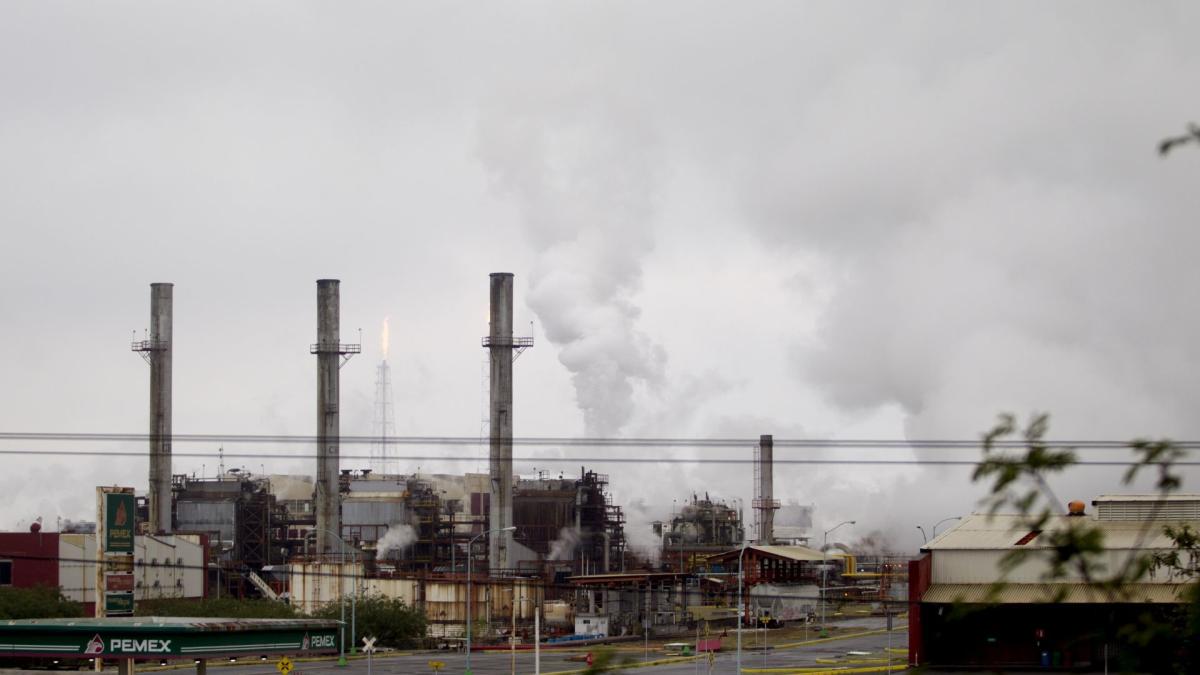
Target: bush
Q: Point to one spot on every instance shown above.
(225, 608)
(39, 602)
(394, 623)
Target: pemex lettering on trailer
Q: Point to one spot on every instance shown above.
(139, 646)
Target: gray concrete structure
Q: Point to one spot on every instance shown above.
(500, 344)
(764, 490)
(329, 351)
(157, 351)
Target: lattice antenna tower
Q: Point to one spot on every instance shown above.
(384, 424)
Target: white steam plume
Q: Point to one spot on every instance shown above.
(582, 178)
(639, 533)
(398, 537)
(564, 547)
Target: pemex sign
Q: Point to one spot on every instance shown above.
(97, 646)
(162, 638)
(117, 520)
(120, 513)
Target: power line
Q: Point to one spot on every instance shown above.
(947, 444)
(575, 459)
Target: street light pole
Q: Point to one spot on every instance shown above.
(825, 566)
(739, 608)
(470, 545)
(353, 602)
(935, 525)
(923, 534)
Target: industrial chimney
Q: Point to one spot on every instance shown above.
(764, 489)
(156, 350)
(331, 354)
(501, 347)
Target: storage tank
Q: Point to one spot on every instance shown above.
(559, 614)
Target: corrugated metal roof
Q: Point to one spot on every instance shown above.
(800, 553)
(137, 624)
(1071, 593)
(1178, 497)
(1003, 531)
(1148, 508)
(620, 577)
(792, 552)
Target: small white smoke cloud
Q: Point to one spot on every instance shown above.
(564, 547)
(398, 537)
(639, 533)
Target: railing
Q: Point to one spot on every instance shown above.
(334, 348)
(520, 342)
(262, 586)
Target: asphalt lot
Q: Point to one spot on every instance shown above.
(797, 650)
(873, 648)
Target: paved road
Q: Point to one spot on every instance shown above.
(498, 663)
(799, 657)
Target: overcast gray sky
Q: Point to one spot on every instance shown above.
(865, 219)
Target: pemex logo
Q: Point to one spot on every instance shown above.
(94, 646)
(121, 518)
(306, 644)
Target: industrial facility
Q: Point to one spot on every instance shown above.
(703, 527)
(386, 524)
(506, 545)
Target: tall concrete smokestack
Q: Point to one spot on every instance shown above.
(503, 552)
(764, 489)
(330, 353)
(158, 350)
(500, 342)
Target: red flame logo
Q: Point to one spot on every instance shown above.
(94, 646)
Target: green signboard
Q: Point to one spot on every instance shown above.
(120, 515)
(167, 638)
(118, 603)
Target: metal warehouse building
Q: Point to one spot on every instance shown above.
(961, 615)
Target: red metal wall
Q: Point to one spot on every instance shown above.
(920, 575)
(34, 557)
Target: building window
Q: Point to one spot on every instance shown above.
(6, 572)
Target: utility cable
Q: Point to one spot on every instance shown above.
(570, 441)
(573, 460)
